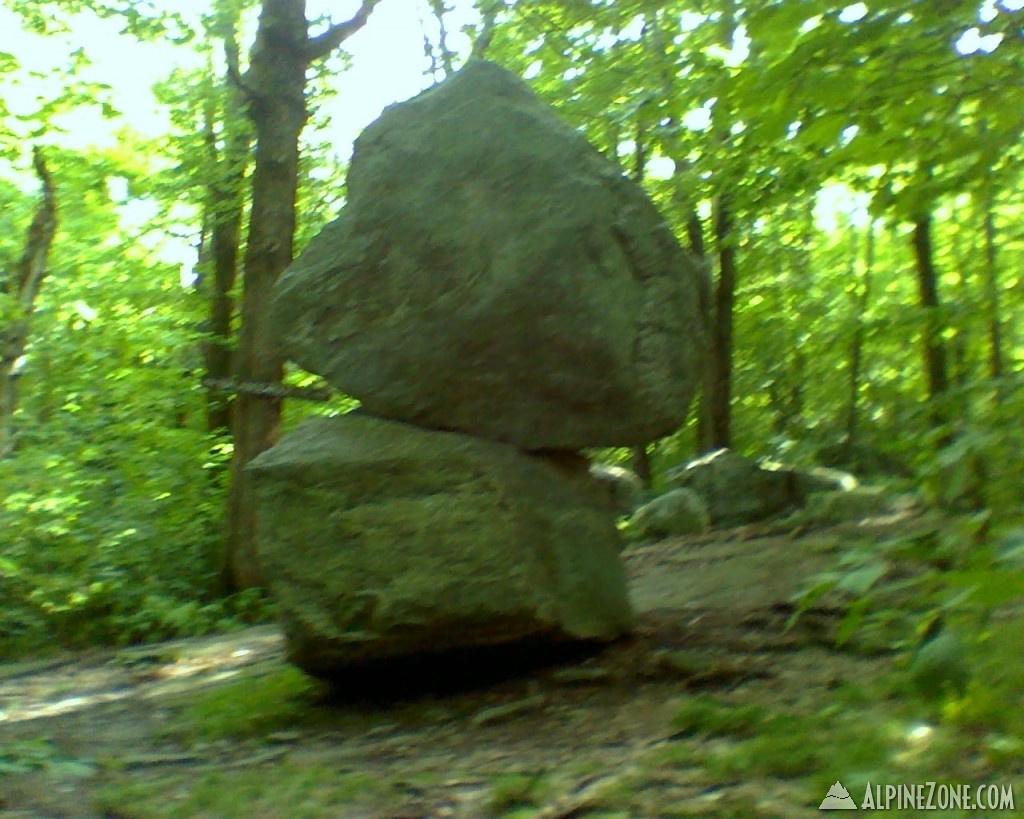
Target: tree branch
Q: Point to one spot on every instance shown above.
(447, 58)
(24, 285)
(32, 266)
(324, 44)
(260, 389)
(486, 33)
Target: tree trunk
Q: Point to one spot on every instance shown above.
(995, 331)
(965, 303)
(225, 206)
(274, 87)
(857, 342)
(23, 285)
(276, 82)
(706, 306)
(225, 241)
(803, 267)
(719, 392)
(936, 369)
(935, 363)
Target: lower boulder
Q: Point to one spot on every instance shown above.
(383, 541)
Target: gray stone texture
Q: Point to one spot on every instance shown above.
(739, 490)
(840, 505)
(676, 513)
(382, 541)
(493, 273)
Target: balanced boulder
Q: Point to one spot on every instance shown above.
(493, 273)
(385, 541)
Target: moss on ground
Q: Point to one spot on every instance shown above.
(708, 716)
(249, 707)
(513, 795)
(286, 788)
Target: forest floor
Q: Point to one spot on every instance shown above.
(712, 708)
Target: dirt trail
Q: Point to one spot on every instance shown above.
(116, 734)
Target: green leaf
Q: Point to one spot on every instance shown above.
(852, 621)
(862, 579)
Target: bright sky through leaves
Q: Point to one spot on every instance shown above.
(388, 64)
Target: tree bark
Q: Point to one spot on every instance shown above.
(225, 207)
(23, 285)
(963, 299)
(718, 394)
(936, 368)
(862, 299)
(706, 308)
(275, 87)
(995, 330)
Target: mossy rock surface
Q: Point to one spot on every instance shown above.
(382, 540)
(514, 285)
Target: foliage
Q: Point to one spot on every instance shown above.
(113, 503)
(866, 734)
(940, 597)
(830, 127)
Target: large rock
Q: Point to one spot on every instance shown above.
(735, 488)
(841, 505)
(493, 273)
(383, 541)
(677, 513)
(740, 490)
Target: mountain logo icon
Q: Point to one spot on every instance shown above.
(838, 798)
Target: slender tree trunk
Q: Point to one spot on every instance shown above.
(803, 267)
(275, 87)
(225, 238)
(660, 42)
(276, 82)
(935, 364)
(959, 342)
(995, 330)
(793, 279)
(719, 395)
(706, 304)
(936, 368)
(782, 280)
(225, 206)
(23, 284)
(863, 298)
(716, 414)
